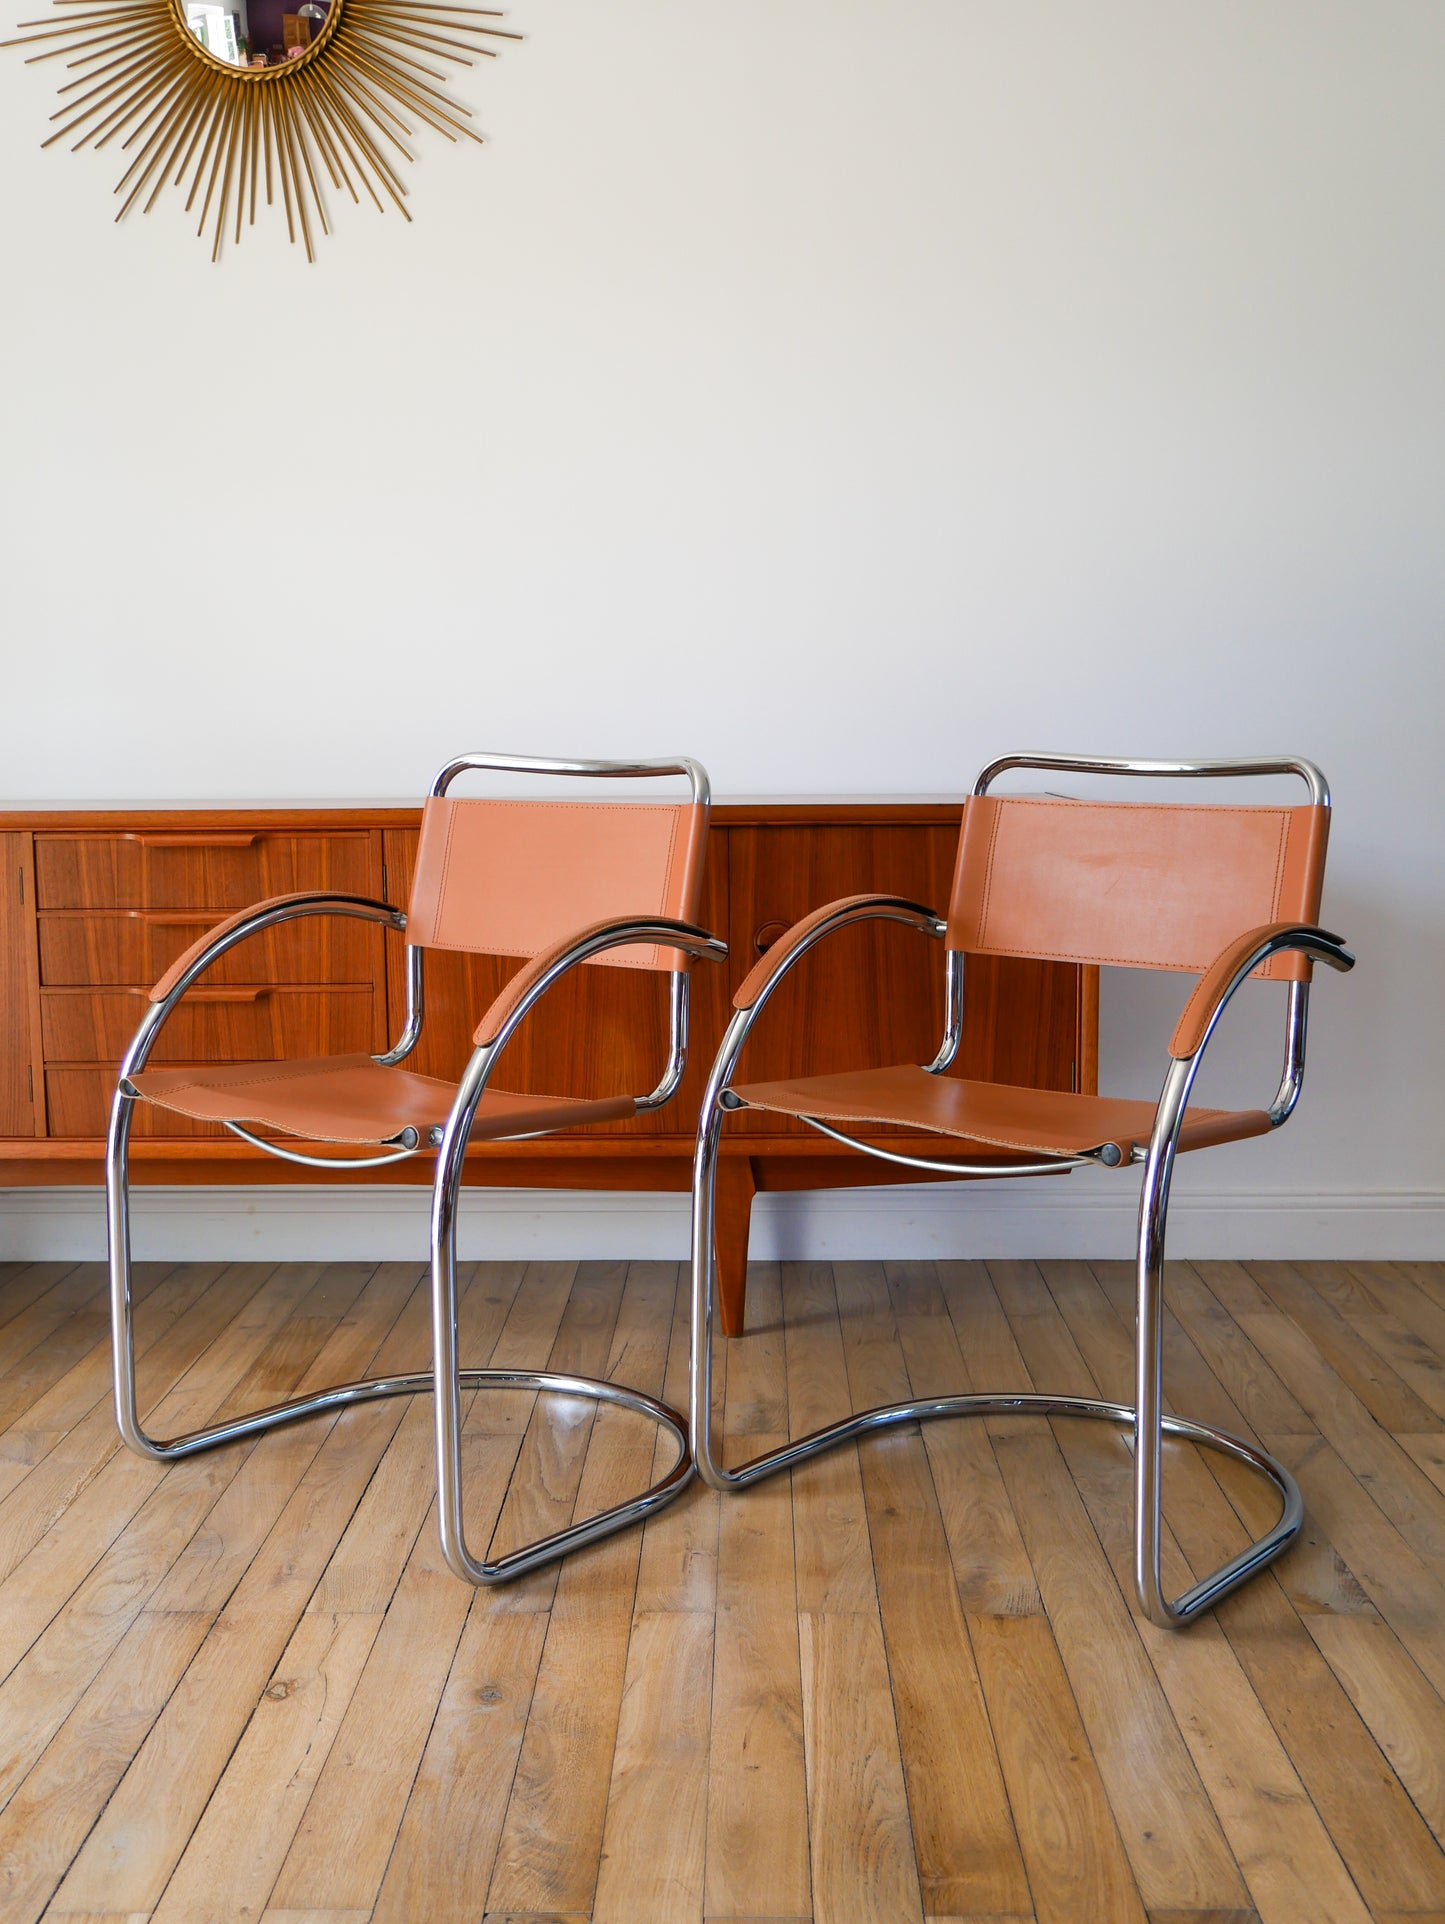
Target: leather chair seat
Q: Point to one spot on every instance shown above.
(354, 1099)
(1038, 1122)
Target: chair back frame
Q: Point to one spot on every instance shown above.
(700, 797)
(1297, 1006)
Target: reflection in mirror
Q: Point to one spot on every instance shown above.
(256, 33)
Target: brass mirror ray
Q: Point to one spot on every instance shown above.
(338, 106)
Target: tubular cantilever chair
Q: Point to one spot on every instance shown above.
(1222, 892)
(559, 883)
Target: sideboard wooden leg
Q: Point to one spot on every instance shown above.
(736, 1188)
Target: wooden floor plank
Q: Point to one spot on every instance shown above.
(145, 1827)
(454, 1814)
(1402, 1290)
(340, 1852)
(902, 1683)
(1167, 1822)
(678, 1568)
(1403, 1491)
(1370, 1819)
(963, 1834)
(1389, 1400)
(207, 1340)
(757, 1816)
(47, 1821)
(229, 1866)
(22, 1284)
(990, 1564)
(863, 1867)
(1076, 1863)
(51, 1334)
(119, 1499)
(757, 1812)
(1404, 1713)
(656, 1827)
(833, 1563)
(552, 1834)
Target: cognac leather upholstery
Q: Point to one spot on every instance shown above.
(1194, 1020)
(1136, 884)
(515, 878)
(353, 1099)
(1044, 1122)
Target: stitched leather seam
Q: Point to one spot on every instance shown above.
(988, 873)
(1153, 808)
(1119, 961)
(1103, 961)
(1279, 867)
(666, 876)
(529, 808)
(439, 913)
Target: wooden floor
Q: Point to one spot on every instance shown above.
(910, 1686)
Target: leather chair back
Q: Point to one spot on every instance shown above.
(515, 877)
(1134, 884)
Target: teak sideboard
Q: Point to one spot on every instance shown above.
(97, 902)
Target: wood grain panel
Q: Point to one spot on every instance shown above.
(134, 947)
(173, 866)
(874, 994)
(247, 1023)
(17, 969)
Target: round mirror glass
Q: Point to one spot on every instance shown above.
(256, 33)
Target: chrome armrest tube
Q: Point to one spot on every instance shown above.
(677, 1013)
(156, 1016)
(952, 1012)
(411, 1029)
(620, 935)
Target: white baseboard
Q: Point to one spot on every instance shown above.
(307, 1224)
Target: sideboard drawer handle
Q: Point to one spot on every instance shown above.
(190, 838)
(219, 995)
(768, 934)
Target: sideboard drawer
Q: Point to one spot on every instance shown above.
(212, 1023)
(170, 867)
(135, 947)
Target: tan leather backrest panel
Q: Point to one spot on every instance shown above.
(515, 877)
(1142, 884)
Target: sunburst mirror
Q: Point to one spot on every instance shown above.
(227, 99)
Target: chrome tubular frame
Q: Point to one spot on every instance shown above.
(1312, 777)
(1052, 1165)
(1147, 1418)
(415, 1008)
(446, 1379)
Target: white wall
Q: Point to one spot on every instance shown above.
(841, 392)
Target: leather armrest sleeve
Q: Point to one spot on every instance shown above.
(522, 983)
(777, 955)
(1190, 1030)
(198, 948)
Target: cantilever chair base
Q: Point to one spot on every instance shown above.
(391, 1113)
(1148, 1433)
(1054, 1130)
(341, 1396)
